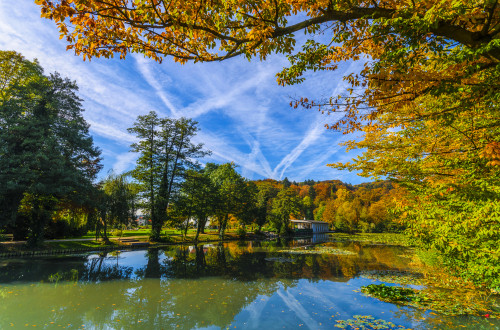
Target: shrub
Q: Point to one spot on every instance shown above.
(241, 232)
(61, 228)
(3, 237)
(117, 232)
(258, 232)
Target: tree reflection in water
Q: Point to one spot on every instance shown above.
(194, 287)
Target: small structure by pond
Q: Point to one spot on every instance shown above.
(307, 227)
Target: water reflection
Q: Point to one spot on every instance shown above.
(245, 285)
(314, 239)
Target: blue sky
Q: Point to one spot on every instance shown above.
(243, 114)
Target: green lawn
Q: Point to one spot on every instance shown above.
(170, 235)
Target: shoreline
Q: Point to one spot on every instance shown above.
(56, 247)
(18, 249)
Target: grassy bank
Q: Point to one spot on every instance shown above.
(88, 242)
(175, 236)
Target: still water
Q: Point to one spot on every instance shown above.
(237, 285)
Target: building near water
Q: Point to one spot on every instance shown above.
(309, 226)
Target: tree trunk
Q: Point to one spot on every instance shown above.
(38, 220)
(223, 224)
(198, 229)
(105, 227)
(186, 228)
(156, 225)
(203, 225)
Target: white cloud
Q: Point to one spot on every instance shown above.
(124, 162)
(144, 67)
(112, 133)
(243, 113)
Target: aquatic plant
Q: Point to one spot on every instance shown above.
(390, 293)
(366, 322)
(394, 276)
(443, 301)
(320, 250)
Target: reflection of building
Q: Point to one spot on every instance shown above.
(309, 226)
(192, 248)
(313, 239)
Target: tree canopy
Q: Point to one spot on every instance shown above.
(166, 152)
(47, 156)
(215, 30)
(415, 53)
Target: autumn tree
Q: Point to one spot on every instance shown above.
(426, 63)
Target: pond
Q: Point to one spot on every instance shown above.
(299, 284)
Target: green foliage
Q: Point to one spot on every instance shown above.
(121, 200)
(241, 232)
(394, 276)
(3, 237)
(390, 293)
(166, 152)
(60, 228)
(196, 200)
(71, 276)
(249, 212)
(264, 201)
(232, 193)
(453, 299)
(464, 231)
(318, 212)
(118, 232)
(47, 157)
(285, 204)
(366, 322)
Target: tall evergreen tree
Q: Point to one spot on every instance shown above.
(148, 169)
(166, 153)
(46, 152)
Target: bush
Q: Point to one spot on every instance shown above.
(258, 232)
(61, 228)
(3, 237)
(241, 232)
(285, 231)
(117, 232)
